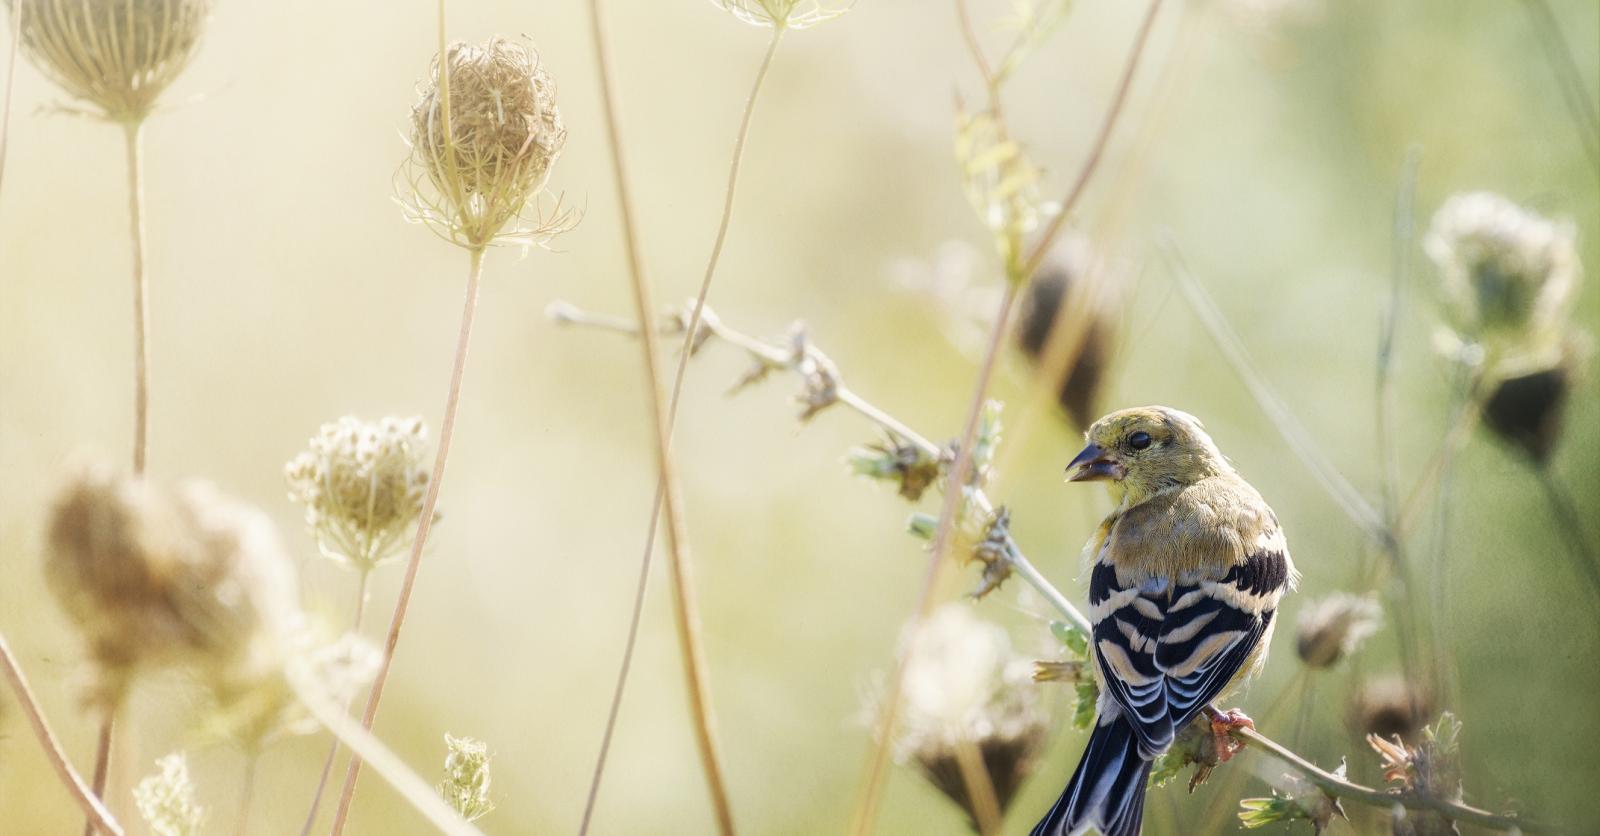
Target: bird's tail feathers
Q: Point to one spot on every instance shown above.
(1107, 791)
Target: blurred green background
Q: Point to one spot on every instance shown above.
(288, 291)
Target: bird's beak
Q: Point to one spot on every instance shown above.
(1093, 464)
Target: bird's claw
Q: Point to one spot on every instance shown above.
(1222, 728)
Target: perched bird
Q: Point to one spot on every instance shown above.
(1186, 575)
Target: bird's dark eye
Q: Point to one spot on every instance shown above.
(1139, 440)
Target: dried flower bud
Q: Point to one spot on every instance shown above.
(166, 800)
(1391, 707)
(1526, 409)
(116, 55)
(1430, 768)
(787, 14)
(362, 484)
(466, 777)
(1508, 275)
(1079, 390)
(153, 578)
(1335, 627)
(965, 685)
(505, 133)
(910, 467)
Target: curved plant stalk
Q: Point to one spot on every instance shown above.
(1570, 521)
(778, 358)
(100, 819)
(424, 524)
(17, 11)
(980, 788)
(684, 352)
(389, 767)
(685, 610)
(333, 748)
(1574, 92)
(954, 487)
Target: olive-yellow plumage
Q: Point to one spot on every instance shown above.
(1186, 575)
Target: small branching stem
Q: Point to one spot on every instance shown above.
(424, 524)
(1571, 524)
(778, 358)
(333, 748)
(17, 11)
(1568, 77)
(247, 792)
(685, 610)
(99, 817)
(687, 349)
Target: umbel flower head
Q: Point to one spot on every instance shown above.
(1335, 627)
(116, 55)
(153, 578)
(1508, 274)
(166, 799)
(785, 14)
(466, 777)
(362, 484)
(966, 686)
(476, 164)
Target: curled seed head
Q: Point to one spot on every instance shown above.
(154, 577)
(362, 485)
(1335, 627)
(1508, 274)
(504, 134)
(116, 55)
(966, 685)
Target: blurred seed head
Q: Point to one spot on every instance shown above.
(166, 799)
(474, 186)
(1080, 389)
(1508, 275)
(116, 55)
(152, 578)
(1390, 707)
(362, 485)
(786, 14)
(1335, 627)
(466, 777)
(965, 685)
(1526, 410)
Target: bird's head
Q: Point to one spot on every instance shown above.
(1145, 450)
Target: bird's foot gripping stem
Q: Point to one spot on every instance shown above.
(1222, 727)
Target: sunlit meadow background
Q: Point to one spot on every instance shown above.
(287, 291)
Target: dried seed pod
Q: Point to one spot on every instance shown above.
(116, 55)
(1525, 410)
(504, 134)
(1391, 707)
(1334, 627)
(1080, 388)
(362, 483)
(154, 578)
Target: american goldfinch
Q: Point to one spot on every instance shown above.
(1186, 576)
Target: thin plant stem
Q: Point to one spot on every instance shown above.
(333, 748)
(1568, 77)
(241, 824)
(687, 349)
(1343, 788)
(368, 748)
(17, 11)
(424, 523)
(686, 610)
(1570, 522)
(980, 788)
(99, 817)
(954, 490)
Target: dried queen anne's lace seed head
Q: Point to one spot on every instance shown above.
(362, 484)
(966, 686)
(116, 55)
(154, 577)
(466, 777)
(166, 799)
(504, 134)
(1508, 274)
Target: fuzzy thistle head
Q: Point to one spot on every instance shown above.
(966, 686)
(1508, 274)
(154, 577)
(783, 14)
(1047, 297)
(362, 484)
(118, 56)
(166, 799)
(476, 164)
(1335, 627)
(466, 777)
(1390, 707)
(1526, 409)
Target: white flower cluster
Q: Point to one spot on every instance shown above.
(362, 484)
